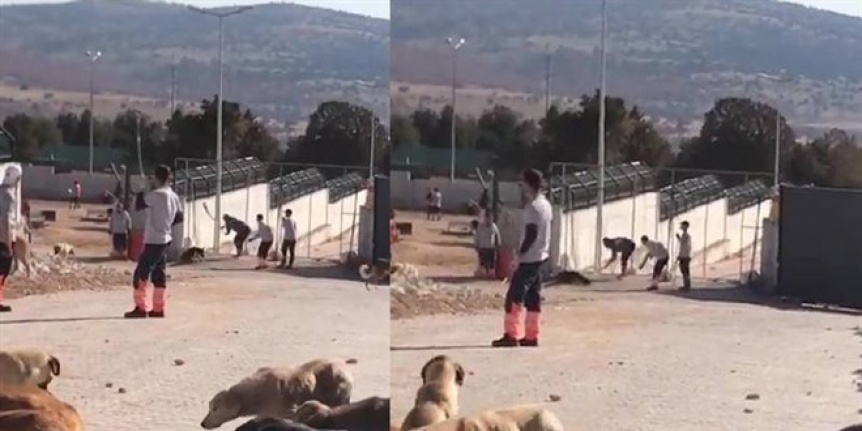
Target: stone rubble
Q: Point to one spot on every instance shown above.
(52, 273)
(413, 295)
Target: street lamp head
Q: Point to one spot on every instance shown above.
(455, 43)
(93, 56)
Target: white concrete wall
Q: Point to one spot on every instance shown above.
(577, 229)
(409, 194)
(317, 220)
(715, 234)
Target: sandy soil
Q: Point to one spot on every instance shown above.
(616, 357)
(433, 251)
(224, 322)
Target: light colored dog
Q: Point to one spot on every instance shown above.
(520, 418)
(21, 248)
(28, 367)
(437, 398)
(64, 249)
(276, 392)
(370, 414)
(27, 408)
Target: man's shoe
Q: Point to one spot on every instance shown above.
(156, 314)
(685, 289)
(5, 308)
(137, 313)
(652, 288)
(523, 342)
(505, 341)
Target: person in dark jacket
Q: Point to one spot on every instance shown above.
(621, 247)
(242, 232)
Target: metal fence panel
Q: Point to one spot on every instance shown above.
(820, 245)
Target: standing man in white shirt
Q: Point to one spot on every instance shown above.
(288, 239)
(660, 256)
(163, 211)
(684, 256)
(525, 286)
(264, 232)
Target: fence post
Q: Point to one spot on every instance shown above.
(742, 246)
(670, 220)
(705, 240)
(310, 230)
(757, 223)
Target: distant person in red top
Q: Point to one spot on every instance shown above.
(75, 203)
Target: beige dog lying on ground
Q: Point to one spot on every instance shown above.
(437, 398)
(27, 408)
(276, 392)
(28, 367)
(21, 248)
(520, 418)
(370, 414)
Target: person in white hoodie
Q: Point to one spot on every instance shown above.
(264, 232)
(8, 220)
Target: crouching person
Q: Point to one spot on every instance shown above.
(163, 211)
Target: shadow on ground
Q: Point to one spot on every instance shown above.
(60, 320)
(746, 295)
(438, 348)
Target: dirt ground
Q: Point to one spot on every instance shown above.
(616, 357)
(91, 268)
(224, 322)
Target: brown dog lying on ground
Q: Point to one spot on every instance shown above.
(27, 408)
(28, 367)
(521, 418)
(437, 398)
(276, 392)
(370, 414)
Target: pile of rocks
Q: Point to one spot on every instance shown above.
(413, 295)
(51, 274)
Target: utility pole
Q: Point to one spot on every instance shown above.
(548, 59)
(93, 57)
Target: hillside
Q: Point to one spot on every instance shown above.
(282, 59)
(673, 58)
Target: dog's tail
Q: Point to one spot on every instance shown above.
(366, 272)
(54, 364)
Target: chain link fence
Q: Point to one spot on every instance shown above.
(325, 202)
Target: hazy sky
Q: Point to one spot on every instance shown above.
(380, 8)
(376, 8)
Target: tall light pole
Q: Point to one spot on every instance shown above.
(172, 62)
(776, 168)
(600, 201)
(92, 56)
(455, 43)
(139, 118)
(221, 15)
(548, 58)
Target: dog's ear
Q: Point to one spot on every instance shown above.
(459, 374)
(54, 363)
